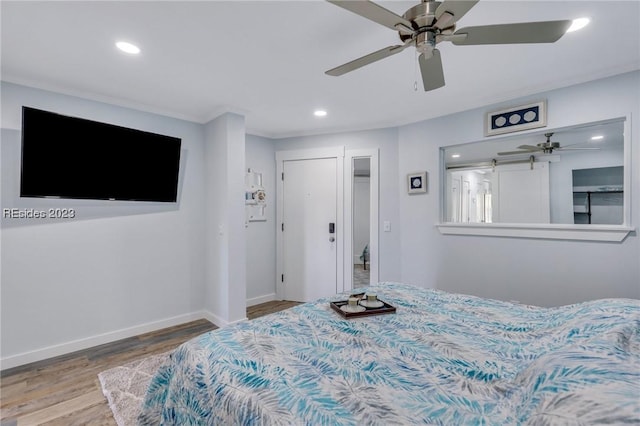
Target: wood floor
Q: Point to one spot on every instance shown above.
(65, 390)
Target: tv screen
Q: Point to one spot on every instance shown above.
(69, 157)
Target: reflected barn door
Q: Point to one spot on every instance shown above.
(524, 193)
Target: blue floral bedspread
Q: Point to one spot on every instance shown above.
(444, 359)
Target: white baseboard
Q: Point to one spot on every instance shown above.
(213, 318)
(80, 344)
(100, 339)
(261, 299)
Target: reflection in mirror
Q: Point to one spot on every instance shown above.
(361, 219)
(567, 176)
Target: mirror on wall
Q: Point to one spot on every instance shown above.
(361, 221)
(572, 175)
(361, 201)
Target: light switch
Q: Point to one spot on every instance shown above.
(387, 226)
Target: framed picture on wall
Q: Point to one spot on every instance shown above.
(515, 119)
(417, 182)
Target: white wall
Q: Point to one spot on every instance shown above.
(386, 141)
(116, 269)
(261, 236)
(533, 271)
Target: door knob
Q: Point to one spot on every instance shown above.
(332, 239)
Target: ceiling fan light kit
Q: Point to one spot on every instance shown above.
(428, 23)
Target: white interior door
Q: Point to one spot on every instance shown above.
(310, 249)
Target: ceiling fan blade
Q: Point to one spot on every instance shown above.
(530, 147)
(526, 32)
(524, 149)
(368, 59)
(450, 11)
(577, 149)
(375, 13)
(449, 37)
(431, 70)
(574, 145)
(514, 152)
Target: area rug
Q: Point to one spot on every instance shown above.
(125, 387)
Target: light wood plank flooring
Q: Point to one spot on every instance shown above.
(360, 276)
(65, 390)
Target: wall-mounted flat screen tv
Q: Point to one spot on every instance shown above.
(69, 157)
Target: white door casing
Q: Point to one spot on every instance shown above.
(309, 197)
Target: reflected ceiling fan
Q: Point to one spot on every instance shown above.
(545, 147)
(431, 22)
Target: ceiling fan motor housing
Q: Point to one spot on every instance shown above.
(548, 147)
(422, 16)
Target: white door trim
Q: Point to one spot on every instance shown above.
(310, 154)
(350, 155)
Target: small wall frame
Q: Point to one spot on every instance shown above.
(417, 182)
(515, 119)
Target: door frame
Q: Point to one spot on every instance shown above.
(374, 194)
(310, 154)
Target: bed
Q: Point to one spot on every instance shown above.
(442, 358)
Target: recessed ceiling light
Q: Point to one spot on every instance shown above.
(597, 138)
(455, 155)
(578, 24)
(128, 47)
(320, 113)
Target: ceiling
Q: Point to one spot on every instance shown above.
(266, 59)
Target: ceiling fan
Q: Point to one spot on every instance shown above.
(545, 147)
(431, 22)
